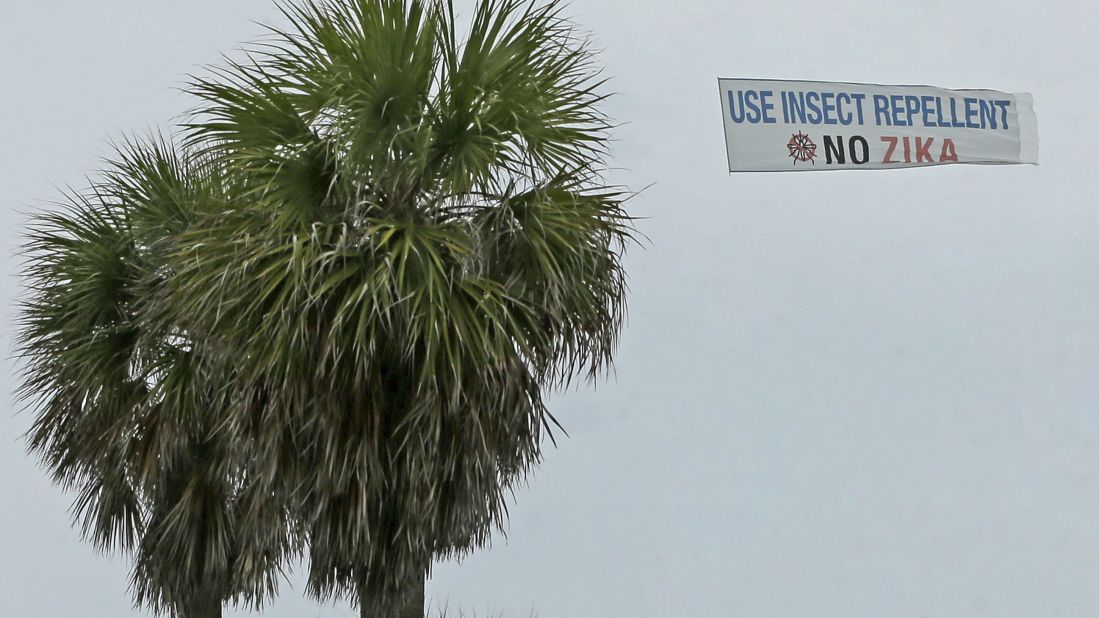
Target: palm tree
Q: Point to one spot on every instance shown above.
(126, 413)
(421, 247)
(330, 320)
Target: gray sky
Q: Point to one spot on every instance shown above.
(848, 394)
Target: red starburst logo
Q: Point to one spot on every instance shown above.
(802, 148)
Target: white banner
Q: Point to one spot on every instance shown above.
(782, 126)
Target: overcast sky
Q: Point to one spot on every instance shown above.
(846, 394)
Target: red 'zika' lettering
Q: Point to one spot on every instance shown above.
(923, 150)
(947, 153)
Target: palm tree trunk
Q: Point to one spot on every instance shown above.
(413, 607)
(204, 608)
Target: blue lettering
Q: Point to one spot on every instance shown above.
(751, 105)
(737, 117)
(797, 106)
(844, 117)
(927, 109)
(988, 114)
(881, 110)
(767, 106)
(1003, 105)
(939, 121)
(813, 107)
(912, 106)
(858, 103)
(828, 105)
(971, 113)
(954, 122)
(896, 102)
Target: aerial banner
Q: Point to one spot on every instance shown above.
(787, 126)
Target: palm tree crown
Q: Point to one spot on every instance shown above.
(126, 414)
(388, 238)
